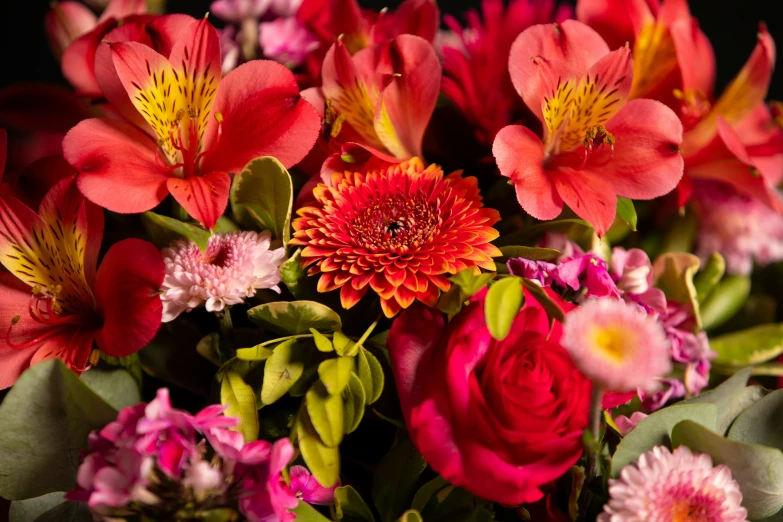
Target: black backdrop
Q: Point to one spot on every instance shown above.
(730, 24)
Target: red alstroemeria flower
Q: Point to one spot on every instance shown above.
(399, 231)
(257, 110)
(596, 144)
(475, 65)
(384, 95)
(78, 56)
(669, 49)
(736, 140)
(72, 304)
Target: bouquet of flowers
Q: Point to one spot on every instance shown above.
(302, 260)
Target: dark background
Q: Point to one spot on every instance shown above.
(731, 26)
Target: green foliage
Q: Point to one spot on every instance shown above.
(262, 196)
(504, 300)
(532, 253)
(323, 343)
(530, 233)
(326, 414)
(307, 513)
(552, 309)
(760, 422)
(673, 273)
(728, 298)
(167, 229)
(45, 420)
(295, 317)
(627, 212)
(730, 398)
(370, 373)
(709, 276)
(240, 400)
(114, 385)
(410, 516)
(323, 461)
(349, 504)
(355, 399)
(753, 346)
(282, 370)
(757, 469)
(395, 478)
(293, 274)
(465, 285)
(335, 374)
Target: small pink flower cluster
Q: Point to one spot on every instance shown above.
(630, 280)
(152, 462)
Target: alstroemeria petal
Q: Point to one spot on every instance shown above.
(203, 197)
(588, 195)
(121, 9)
(347, 21)
(409, 99)
(66, 21)
(520, 157)
(116, 164)
(571, 47)
(416, 17)
(78, 60)
(126, 289)
(646, 162)
(695, 56)
(263, 115)
(617, 21)
(14, 300)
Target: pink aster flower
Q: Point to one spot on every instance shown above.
(677, 485)
(306, 487)
(236, 11)
(742, 229)
(287, 41)
(232, 268)
(617, 345)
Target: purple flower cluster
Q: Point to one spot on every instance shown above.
(156, 461)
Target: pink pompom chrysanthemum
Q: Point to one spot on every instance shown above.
(674, 486)
(232, 268)
(617, 345)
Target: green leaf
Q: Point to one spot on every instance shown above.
(627, 212)
(282, 370)
(323, 343)
(410, 516)
(335, 374)
(655, 430)
(504, 300)
(209, 348)
(45, 507)
(295, 317)
(241, 403)
(343, 345)
(527, 234)
(726, 300)
(757, 469)
(292, 273)
(710, 275)
(465, 284)
(46, 418)
(532, 253)
(753, 346)
(323, 461)
(730, 398)
(370, 372)
(673, 273)
(256, 353)
(427, 491)
(131, 364)
(552, 309)
(114, 385)
(192, 232)
(394, 480)
(263, 192)
(307, 513)
(760, 423)
(326, 414)
(355, 400)
(680, 233)
(349, 503)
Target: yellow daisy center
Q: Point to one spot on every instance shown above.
(614, 342)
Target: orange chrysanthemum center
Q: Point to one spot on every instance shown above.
(398, 231)
(395, 223)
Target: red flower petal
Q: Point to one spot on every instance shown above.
(203, 197)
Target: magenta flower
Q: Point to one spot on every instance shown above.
(236, 11)
(287, 41)
(306, 487)
(266, 494)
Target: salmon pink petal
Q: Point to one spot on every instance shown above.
(617, 21)
(263, 115)
(520, 156)
(117, 165)
(14, 300)
(78, 60)
(203, 197)
(196, 57)
(121, 9)
(127, 292)
(40, 176)
(695, 56)
(570, 48)
(409, 99)
(346, 20)
(416, 17)
(646, 162)
(66, 21)
(587, 194)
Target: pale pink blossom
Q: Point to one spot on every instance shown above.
(664, 486)
(236, 11)
(617, 345)
(626, 424)
(233, 268)
(287, 41)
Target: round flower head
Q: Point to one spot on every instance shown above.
(232, 268)
(399, 230)
(617, 345)
(674, 486)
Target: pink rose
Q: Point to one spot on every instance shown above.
(499, 418)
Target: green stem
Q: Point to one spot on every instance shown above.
(226, 344)
(591, 470)
(369, 330)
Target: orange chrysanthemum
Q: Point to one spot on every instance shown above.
(399, 230)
